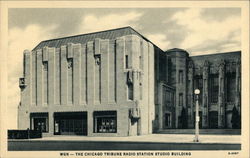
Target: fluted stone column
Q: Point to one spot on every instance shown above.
(205, 95)
(221, 99)
(190, 94)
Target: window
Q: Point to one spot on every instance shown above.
(39, 121)
(198, 84)
(45, 66)
(167, 120)
(130, 91)
(126, 61)
(180, 99)
(214, 88)
(105, 122)
(180, 76)
(231, 87)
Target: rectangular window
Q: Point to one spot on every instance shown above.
(39, 121)
(167, 120)
(180, 99)
(105, 122)
(231, 87)
(180, 76)
(130, 91)
(198, 84)
(214, 88)
(126, 61)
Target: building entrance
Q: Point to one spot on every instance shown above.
(213, 119)
(70, 123)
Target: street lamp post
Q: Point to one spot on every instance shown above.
(197, 118)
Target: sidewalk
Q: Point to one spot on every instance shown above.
(152, 138)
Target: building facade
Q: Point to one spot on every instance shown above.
(118, 83)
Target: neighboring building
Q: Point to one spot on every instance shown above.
(118, 83)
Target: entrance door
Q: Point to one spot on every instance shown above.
(70, 123)
(213, 119)
(167, 119)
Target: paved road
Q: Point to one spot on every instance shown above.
(99, 145)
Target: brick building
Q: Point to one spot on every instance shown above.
(118, 83)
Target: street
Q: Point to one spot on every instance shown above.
(113, 145)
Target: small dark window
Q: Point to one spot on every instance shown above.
(45, 66)
(231, 87)
(180, 76)
(130, 91)
(214, 88)
(126, 61)
(180, 99)
(70, 63)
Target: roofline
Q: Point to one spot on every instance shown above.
(85, 34)
(145, 38)
(98, 32)
(239, 51)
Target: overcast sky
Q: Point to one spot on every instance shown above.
(197, 30)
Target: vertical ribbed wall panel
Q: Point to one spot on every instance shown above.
(90, 73)
(33, 78)
(145, 90)
(120, 76)
(76, 73)
(51, 77)
(112, 72)
(39, 78)
(104, 71)
(58, 77)
(83, 75)
(64, 78)
(26, 97)
(151, 84)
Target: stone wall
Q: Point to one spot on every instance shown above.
(90, 77)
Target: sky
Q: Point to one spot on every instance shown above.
(197, 30)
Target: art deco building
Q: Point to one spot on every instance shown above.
(118, 83)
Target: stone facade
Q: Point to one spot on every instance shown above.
(218, 78)
(118, 83)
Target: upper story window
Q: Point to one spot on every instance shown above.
(130, 91)
(181, 76)
(231, 87)
(45, 66)
(126, 61)
(70, 63)
(198, 84)
(214, 88)
(180, 99)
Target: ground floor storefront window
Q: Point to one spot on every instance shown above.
(105, 122)
(39, 122)
(70, 123)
